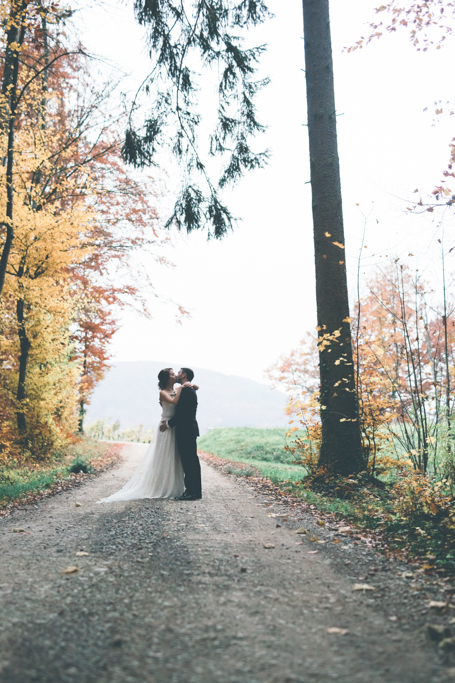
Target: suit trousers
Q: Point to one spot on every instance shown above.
(186, 441)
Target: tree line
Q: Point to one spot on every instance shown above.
(73, 218)
(404, 355)
(73, 213)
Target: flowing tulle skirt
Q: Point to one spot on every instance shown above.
(159, 475)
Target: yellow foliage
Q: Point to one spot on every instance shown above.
(377, 409)
(46, 243)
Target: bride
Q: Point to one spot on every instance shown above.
(160, 474)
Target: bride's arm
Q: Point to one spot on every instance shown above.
(175, 399)
(165, 395)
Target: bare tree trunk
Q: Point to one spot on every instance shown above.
(14, 39)
(446, 353)
(82, 409)
(82, 412)
(341, 448)
(23, 362)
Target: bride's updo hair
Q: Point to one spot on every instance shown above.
(163, 378)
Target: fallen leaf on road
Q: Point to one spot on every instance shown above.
(447, 644)
(78, 505)
(438, 632)
(393, 618)
(278, 526)
(337, 631)
(268, 546)
(335, 540)
(18, 531)
(320, 522)
(82, 553)
(344, 529)
(439, 607)
(314, 539)
(312, 552)
(302, 530)
(70, 570)
(363, 587)
(322, 541)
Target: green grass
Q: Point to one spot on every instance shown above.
(246, 442)
(260, 448)
(275, 471)
(14, 483)
(20, 480)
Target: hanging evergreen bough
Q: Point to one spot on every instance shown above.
(181, 35)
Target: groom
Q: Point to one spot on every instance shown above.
(187, 431)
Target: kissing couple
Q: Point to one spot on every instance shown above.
(170, 467)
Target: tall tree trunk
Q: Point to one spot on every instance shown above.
(23, 362)
(14, 39)
(341, 448)
(82, 412)
(82, 409)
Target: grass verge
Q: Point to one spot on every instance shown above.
(27, 482)
(247, 444)
(407, 516)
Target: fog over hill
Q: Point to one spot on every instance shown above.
(129, 393)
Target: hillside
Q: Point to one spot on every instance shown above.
(129, 394)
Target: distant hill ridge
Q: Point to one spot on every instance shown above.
(129, 393)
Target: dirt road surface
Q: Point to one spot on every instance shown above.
(174, 592)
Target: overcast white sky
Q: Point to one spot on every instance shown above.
(251, 296)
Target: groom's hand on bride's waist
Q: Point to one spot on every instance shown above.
(164, 426)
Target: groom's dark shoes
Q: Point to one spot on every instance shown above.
(188, 496)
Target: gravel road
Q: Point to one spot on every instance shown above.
(173, 592)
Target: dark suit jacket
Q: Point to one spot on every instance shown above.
(185, 413)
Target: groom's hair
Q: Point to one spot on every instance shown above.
(189, 373)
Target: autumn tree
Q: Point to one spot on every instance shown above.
(21, 19)
(428, 24)
(404, 353)
(297, 372)
(411, 336)
(95, 327)
(78, 219)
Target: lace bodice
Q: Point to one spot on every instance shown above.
(168, 410)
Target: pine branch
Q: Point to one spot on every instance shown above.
(179, 35)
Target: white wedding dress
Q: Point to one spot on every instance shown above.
(160, 474)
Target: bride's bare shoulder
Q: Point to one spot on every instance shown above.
(166, 396)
